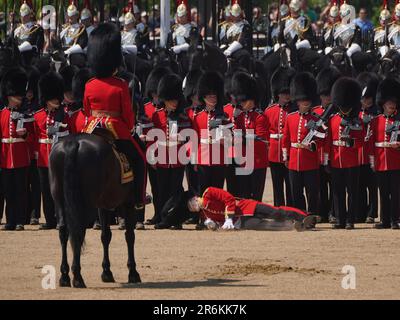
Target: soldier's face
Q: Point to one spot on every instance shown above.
(284, 98)
(182, 20)
(14, 101)
(129, 26)
(52, 105)
(304, 105)
(325, 100)
(86, 22)
(26, 19)
(171, 105)
(29, 95)
(73, 19)
(69, 97)
(367, 103)
(248, 105)
(194, 204)
(211, 101)
(389, 108)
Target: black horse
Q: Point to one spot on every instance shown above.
(85, 173)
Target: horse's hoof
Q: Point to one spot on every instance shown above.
(107, 277)
(79, 283)
(65, 281)
(134, 278)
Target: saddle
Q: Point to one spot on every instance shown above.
(127, 175)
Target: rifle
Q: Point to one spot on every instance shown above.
(394, 131)
(315, 126)
(349, 125)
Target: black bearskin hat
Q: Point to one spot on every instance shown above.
(211, 82)
(326, 78)
(78, 84)
(67, 73)
(104, 50)
(244, 87)
(369, 82)
(51, 86)
(303, 87)
(33, 79)
(388, 89)
(280, 81)
(346, 95)
(170, 88)
(190, 84)
(14, 83)
(154, 79)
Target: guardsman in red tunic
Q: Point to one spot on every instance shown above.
(15, 156)
(108, 104)
(386, 156)
(31, 106)
(276, 117)
(325, 81)
(368, 197)
(78, 120)
(250, 125)
(300, 150)
(220, 209)
(170, 120)
(145, 124)
(345, 136)
(50, 125)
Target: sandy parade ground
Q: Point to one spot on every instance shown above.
(192, 264)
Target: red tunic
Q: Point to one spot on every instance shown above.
(340, 155)
(253, 125)
(276, 118)
(210, 149)
(110, 95)
(14, 149)
(385, 157)
(366, 148)
(295, 131)
(78, 121)
(44, 119)
(168, 145)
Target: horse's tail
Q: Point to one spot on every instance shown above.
(73, 200)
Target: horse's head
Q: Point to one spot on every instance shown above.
(390, 63)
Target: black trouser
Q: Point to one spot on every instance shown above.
(268, 212)
(368, 198)
(138, 165)
(210, 176)
(154, 188)
(192, 178)
(232, 181)
(345, 182)
(308, 181)
(326, 193)
(169, 181)
(389, 192)
(1, 198)
(252, 186)
(48, 203)
(14, 183)
(280, 184)
(34, 197)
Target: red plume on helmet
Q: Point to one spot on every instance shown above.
(87, 5)
(235, 2)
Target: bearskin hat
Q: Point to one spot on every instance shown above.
(190, 83)
(303, 87)
(51, 86)
(104, 50)
(326, 78)
(33, 79)
(244, 87)
(14, 83)
(78, 84)
(346, 94)
(280, 81)
(211, 82)
(154, 79)
(170, 88)
(388, 89)
(67, 73)
(369, 82)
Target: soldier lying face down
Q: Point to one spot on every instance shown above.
(221, 210)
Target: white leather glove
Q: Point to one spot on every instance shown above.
(211, 225)
(235, 46)
(327, 50)
(180, 48)
(228, 225)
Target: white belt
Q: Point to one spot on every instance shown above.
(168, 143)
(46, 141)
(209, 141)
(383, 145)
(339, 143)
(276, 136)
(145, 126)
(298, 145)
(12, 140)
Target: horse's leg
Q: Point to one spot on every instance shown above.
(130, 221)
(106, 236)
(77, 282)
(65, 280)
